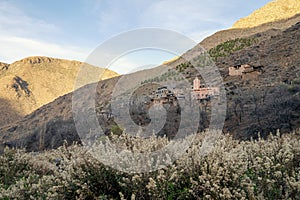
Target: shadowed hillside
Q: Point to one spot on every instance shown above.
(7, 112)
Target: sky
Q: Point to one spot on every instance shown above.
(73, 29)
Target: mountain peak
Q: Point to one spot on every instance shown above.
(271, 12)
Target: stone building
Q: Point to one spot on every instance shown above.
(245, 71)
(238, 70)
(163, 95)
(199, 92)
(202, 91)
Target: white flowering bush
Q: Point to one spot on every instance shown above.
(232, 169)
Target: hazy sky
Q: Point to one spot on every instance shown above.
(72, 29)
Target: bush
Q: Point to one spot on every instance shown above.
(116, 130)
(261, 169)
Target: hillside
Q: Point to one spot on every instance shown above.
(263, 100)
(271, 100)
(264, 31)
(271, 12)
(267, 21)
(262, 103)
(48, 126)
(29, 83)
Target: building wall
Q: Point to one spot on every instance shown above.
(203, 93)
(238, 70)
(251, 75)
(196, 84)
(233, 71)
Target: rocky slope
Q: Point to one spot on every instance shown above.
(271, 12)
(270, 100)
(35, 81)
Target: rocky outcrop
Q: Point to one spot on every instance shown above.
(3, 66)
(20, 86)
(36, 60)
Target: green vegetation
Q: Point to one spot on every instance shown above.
(232, 169)
(170, 75)
(292, 86)
(116, 130)
(230, 46)
(293, 89)
(183, 66)
(181, 69)
(296, 81)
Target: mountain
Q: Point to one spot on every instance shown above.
(264, 99)
(271, 12)
(29, 83)
(262, 103)
(48, 126)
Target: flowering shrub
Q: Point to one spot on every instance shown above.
(260, 169)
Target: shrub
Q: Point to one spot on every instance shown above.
(116, 130)
(260, 169)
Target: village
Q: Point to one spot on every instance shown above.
(200, 91)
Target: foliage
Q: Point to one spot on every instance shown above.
(157, 79)
(230, 46)
(116, 130)
(260, 169)
(183, 66)
(170, 74)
